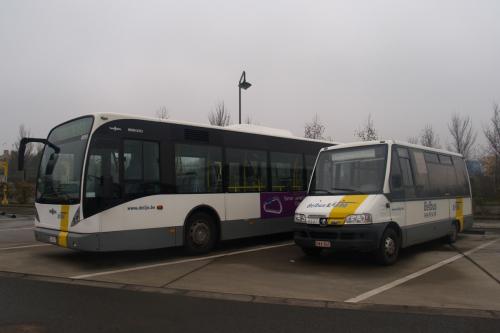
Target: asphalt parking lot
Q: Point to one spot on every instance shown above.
(434, 275)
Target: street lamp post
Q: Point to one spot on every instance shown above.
(243, 84)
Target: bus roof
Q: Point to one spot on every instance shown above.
(245, 128)
(402, 143)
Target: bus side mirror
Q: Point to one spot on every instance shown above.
(396, 181)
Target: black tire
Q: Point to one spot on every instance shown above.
(200, 233)
(312, 251)
(388, 250)
(453, 235)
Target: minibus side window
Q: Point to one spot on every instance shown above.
(406, 172)
(421, 174)
(462, 188)
(396, 179)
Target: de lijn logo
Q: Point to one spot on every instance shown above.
(52, 211)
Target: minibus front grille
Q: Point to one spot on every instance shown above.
(323, 235)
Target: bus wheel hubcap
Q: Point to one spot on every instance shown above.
(389, 246)
(200, 233)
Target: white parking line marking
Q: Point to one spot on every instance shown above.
(261, 248)
(412, 276)
(23, 247)
(13, 229)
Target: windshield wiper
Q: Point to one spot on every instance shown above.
(321, 190)
(346, 189)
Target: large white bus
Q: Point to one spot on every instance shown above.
(383, 195)
(110, 182)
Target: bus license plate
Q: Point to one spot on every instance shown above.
(319, 243)
(52, 239)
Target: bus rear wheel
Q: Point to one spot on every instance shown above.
(388, 250)
(200, 233)
(452, 236)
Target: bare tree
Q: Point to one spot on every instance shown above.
(31, 149)
(428, 137)
(492, 132)
(462, 134)
(368, 132)
(220, 116)
(162, 113)
(249, 120)
(314, 129)
(413, 139)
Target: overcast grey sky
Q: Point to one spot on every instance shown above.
(407, 63)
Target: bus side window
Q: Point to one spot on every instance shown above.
(102, 181)
(141, 165)
(198, 169)
(462, 185)
(247, 170)
(286, 172)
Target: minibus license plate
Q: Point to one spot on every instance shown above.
(319, 243)
(52, 239)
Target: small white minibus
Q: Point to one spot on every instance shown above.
(380, 196)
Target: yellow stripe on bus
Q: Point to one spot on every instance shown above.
(345, 207)
(62, 239)
(459, 212)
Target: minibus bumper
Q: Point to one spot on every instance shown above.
(363, 238)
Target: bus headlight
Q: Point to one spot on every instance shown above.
(76, 218)
(299, 218)
(359, 219)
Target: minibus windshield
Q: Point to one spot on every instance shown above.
(358, 170)
(60, 173)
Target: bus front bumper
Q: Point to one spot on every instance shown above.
(126, 240)
(85, 242)
(364, 238)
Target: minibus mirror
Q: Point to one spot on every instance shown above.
(396, 181)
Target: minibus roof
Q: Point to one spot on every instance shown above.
(389, 142)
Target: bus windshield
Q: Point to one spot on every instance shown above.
(60, 173)
(358, 170)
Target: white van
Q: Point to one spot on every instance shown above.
(380, 196)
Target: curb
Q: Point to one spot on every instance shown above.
(325, 304)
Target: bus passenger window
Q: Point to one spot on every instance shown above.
(102, 181)
(198, 169)
(141, 165)
(286, 172)
(247, 170)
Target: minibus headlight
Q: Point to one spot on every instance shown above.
(359, 219)
(300, 218)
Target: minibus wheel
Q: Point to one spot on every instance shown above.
(312, 251)
(388, 250)
(200, 233)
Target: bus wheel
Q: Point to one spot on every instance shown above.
(452, 236)
(311, 251)
(388, 250)
(200, 233)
